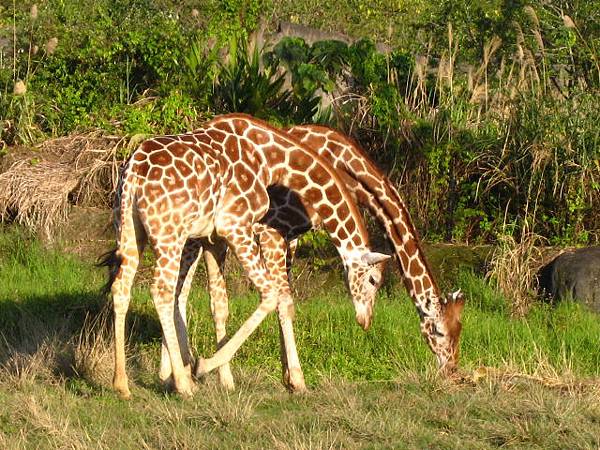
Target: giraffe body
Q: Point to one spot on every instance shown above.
(181, 192)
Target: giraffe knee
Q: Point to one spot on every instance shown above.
(287, 310)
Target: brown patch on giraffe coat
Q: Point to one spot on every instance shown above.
(203, 138)
(178, 150)
(312, 140)
(319, 175)
(355, 165)
(151, 145)
(224, 125)
(417, 286)
(325, 211)
(258, 136)
(312, 195)
(155, 174)
(274, 156)
(244, 178)
(239, 126)
(161, 158)
(190, 139)
(142, 168)
(427, 284)
(415, 269)
(410, 247)
(350, 226)
(300, 161)
(333, 194)
(215, 135)
(404, 261)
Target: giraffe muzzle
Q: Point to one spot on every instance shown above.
(364, 320)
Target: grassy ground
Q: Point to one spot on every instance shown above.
(527, 383)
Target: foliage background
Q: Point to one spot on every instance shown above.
(486, 114)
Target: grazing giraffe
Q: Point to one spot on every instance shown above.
(439, 315)
(179, 192)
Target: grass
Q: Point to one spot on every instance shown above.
(527, 383)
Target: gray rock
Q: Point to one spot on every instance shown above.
(574, 275)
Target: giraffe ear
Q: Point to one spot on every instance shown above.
(373, 258)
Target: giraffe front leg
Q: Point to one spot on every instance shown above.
(277, 257)
(214, 256)
(121, 291)
(189, 261)
(163, 291)
(241, 238)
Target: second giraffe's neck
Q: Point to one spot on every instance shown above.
(374, 190)
(290, 164)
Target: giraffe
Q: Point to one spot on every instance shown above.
(182, 192)
(439, 315)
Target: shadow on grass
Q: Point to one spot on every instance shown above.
(45, 333)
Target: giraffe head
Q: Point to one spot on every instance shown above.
(443, 333)
(364, 273)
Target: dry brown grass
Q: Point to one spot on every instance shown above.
(513, 268)
(38, 188)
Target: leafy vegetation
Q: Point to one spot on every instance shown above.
(485, 114)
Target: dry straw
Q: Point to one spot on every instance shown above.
(514, 266)
(38, 189)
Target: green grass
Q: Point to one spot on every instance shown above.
(367, 390)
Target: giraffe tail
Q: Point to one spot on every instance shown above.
(123, 210)
(112, 260)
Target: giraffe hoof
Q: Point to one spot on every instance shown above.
(122, 388)
(124, 394)
(187, 392)
(225, 378)
(294, 381)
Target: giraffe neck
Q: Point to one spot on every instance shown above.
(286, 162)
(375, 191)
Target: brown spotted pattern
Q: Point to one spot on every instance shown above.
(184, 193)
(289, 217)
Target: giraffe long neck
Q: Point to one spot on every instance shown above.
(292, 165)
(376, 192)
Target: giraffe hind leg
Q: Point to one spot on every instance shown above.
(131, 246)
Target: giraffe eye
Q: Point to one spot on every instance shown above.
(372, 280)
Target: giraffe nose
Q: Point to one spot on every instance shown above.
(364, 320)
